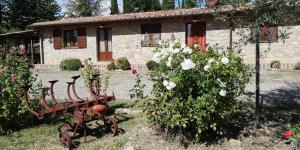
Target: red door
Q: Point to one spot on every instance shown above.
(104, 45)
(196, 34)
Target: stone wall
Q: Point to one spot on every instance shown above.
(126, 41)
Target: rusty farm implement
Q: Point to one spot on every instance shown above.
(83, 110)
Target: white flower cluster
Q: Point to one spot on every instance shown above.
(187, 64)
(168, 51)
(224, 60)
(169, 85)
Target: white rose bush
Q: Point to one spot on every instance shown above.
(194, 92)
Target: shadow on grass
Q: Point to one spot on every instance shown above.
(280, 107)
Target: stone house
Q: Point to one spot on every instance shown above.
(135, 35)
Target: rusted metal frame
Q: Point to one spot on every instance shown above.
(74, 90)
(52, 91)
(26, 97)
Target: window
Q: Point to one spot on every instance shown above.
(70, 38)
(151, 35)
(267, 34)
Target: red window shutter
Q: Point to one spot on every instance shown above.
(82, 38)
(57, 39)
(264, 34)
(273, 34)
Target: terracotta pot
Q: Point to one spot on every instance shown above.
(99, 108)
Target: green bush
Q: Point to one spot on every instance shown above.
(275, 64)
(123, 63)
(71, 64)
(112, 66)
(13, 75)
(297, 66)
(151, 65)
(193, 92)
(101, 83)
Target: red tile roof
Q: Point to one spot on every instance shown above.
(132, 16)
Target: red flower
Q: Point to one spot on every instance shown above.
(13, 78)
(134, 71)
(288, 134)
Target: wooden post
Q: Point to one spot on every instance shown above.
(230, 36)
(257, 66)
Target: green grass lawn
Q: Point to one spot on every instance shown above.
(45, 135)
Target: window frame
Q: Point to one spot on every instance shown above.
(152, 28)
(72, 45)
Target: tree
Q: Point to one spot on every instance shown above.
(114, 9)
(263, 14)
(25, 12)
(3, 15)
(127, 6)
(141, 5)
(190, 4)
(80, 8)
(168, 4)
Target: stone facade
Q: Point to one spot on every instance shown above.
(126, 41)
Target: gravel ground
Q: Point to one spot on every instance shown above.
(122, 81)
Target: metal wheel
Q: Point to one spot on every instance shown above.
(65, 139)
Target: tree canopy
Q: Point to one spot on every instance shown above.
(84, 8)
(26, 12)
(114, 9)
(141, 5)
(18, 14)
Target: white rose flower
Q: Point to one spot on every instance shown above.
(165, 52)
(211, 60)
(156, 58)
(187, 50)
(225, 60)
(169, 62)
(171, 85)
(187, 64)
(160, 43)
(175, 51)
(165, 83)
(206, 67)
(223, 93)
(183, 45)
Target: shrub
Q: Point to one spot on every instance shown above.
(112, 66)
(71, 64)
(297, 66)
(275, 64)
(13, 111)
(123, 63)
(151, 65)
(101, 83)
(88, 71)
(194, 92)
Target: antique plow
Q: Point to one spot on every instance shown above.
(83, 110)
